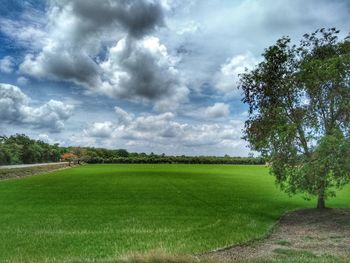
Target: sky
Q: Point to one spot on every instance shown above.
(143, 75)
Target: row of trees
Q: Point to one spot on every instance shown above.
(180, 159)
(101, 155)
(20, 149)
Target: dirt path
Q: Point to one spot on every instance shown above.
(15, 166)
(318, 232)
(15, 173)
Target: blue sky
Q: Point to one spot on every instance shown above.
(145, 75)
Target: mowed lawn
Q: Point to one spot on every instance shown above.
(106, 211)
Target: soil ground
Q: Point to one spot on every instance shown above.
(316, 232)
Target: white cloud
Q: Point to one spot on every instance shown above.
(15, 108)
(7, 64)
(218, 110)
(226, 80)
(100, 129)
(164, 133)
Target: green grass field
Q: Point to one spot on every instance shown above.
(105, 211)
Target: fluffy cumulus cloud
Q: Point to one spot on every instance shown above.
(15, 108)
(144, 69)
(226, 80)
(105, 46)
(100, 129)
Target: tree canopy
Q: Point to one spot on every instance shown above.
(299, 112)
(19, 149)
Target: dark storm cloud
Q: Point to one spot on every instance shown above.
(146, 79)
(137, 17)
(61, 65)
(78, 67)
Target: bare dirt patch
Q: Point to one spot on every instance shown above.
(312, 231)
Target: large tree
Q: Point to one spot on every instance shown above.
(299, 113)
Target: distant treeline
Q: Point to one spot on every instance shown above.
(20, 149)
(180, 159)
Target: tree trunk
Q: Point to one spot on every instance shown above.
(321, 204)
